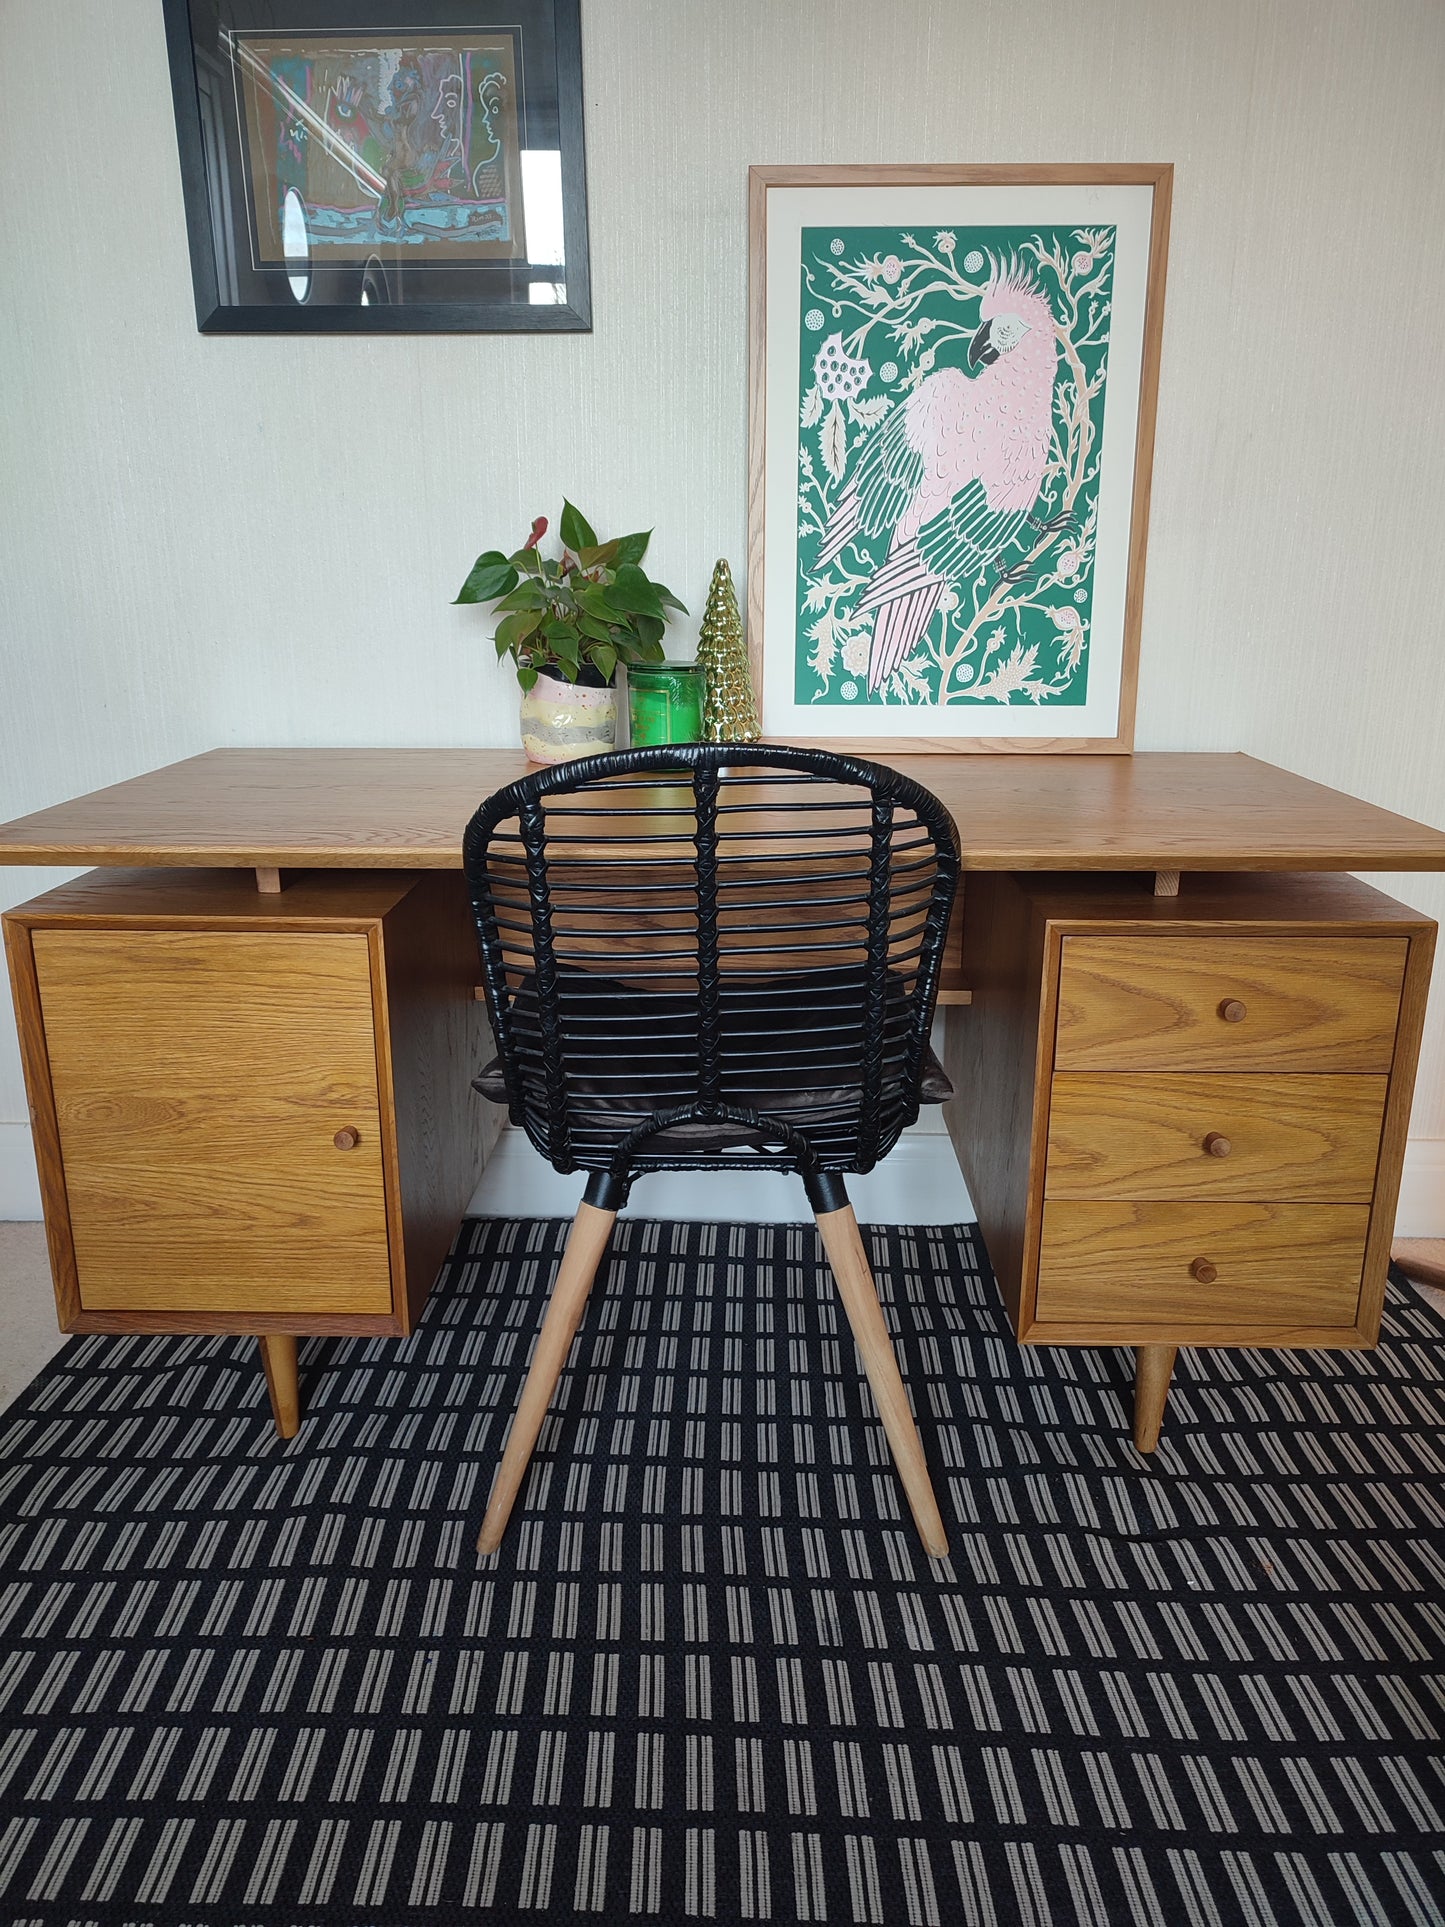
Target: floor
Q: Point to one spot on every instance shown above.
(709, 1674)
(28, 1337)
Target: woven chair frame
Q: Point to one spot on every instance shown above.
(703, 954)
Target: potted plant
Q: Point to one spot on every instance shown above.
(567, 623)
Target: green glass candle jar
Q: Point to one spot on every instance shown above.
(664, 703)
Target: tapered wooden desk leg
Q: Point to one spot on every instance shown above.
(586, 1242)
(1153, 1366)
(843, 1243)
(278, 1357)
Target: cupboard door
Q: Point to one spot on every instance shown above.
(220, 1125)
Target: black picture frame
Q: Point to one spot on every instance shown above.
(405, 260)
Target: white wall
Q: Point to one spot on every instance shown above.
(212, 541)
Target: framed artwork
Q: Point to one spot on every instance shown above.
(952, 388)
(399, 167)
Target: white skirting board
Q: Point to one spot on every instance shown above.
(919, 1182)
(1421, 1211)
(19, 1185)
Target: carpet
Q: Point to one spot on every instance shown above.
(711, 1676)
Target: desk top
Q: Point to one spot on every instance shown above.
(406, 808)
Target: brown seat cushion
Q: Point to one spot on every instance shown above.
(933, 1086)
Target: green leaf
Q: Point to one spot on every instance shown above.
(525, 678)
(513, 631)
(666, 595)
(592, 597)
(598, 555)
(526, 595)
(604, 660)
(633, 593)
(577, 531)
(597, 631)
(491, 575)
(527, 560)
(632, 548)
(650, 628)
(563, 639)
(637, 649)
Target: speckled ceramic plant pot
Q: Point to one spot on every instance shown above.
(561, 720)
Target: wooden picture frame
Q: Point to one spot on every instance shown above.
(382, 166)
(964, 563)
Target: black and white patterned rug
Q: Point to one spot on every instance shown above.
(711, 1675)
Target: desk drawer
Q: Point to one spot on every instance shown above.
(1229, 1003)
(1214, 1135)
(1150, 1263)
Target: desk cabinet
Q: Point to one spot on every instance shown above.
(251, 1113)
(1182, 1120)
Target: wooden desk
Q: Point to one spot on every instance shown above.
(404, 809)
(232, 1091)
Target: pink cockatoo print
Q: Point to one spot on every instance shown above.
(954, 471)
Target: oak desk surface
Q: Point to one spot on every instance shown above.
(405, 809)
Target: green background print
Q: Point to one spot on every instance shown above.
(882, 309)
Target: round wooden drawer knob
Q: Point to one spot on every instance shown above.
(1233, 1011)
(346, 1139)
(1218, 1145)
(1203, 1271)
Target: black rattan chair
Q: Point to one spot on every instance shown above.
(705, 957)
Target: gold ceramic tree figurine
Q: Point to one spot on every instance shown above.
(730, 710)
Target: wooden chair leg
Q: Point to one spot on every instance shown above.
(1153, 1366)
(843, 1243)
(586, 1242)
(278, 1361)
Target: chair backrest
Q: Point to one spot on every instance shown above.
(714, 932)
